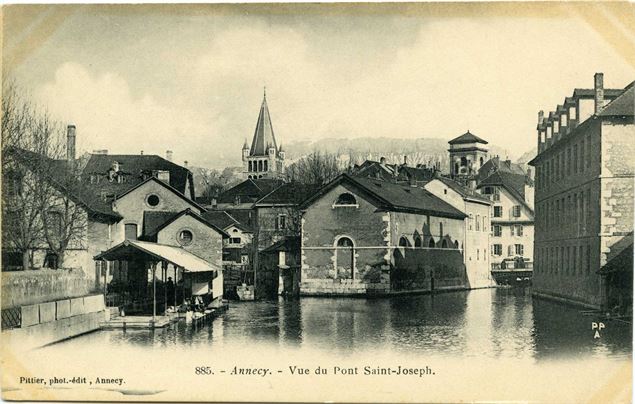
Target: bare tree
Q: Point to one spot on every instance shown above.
(36, 181)
(317, 168)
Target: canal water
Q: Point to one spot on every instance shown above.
(480, 345)
(484, 323)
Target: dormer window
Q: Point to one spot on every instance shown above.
(345, 200)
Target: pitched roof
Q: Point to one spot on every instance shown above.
(263, 135)
(250, 190)
(57, 173)
(623, 105)
(467, 137)
(291, 193)
(391, 196)
(242, 216)
(135, 169)
(374, 169)
(152, 220)
(465, 192)
(176, 216)
(513, 183)
(222, 219)
(287, 243)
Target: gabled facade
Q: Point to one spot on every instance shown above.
(368, 236)
(264, 159)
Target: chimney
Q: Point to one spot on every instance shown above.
(185, 164)
(471, 183)
(599, 91)
(382, 161)
(168, 155)
(70, 142)
(115, 166)
(141, 152)
(405, 160)
(541, 116)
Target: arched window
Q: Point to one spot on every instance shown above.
(463, 162)
(418, 242)
(345, 259)
(403, 242)
(266, 168)
(259, 165)
(250, 166)
(346, 199)
(431, 243)
(444, 244)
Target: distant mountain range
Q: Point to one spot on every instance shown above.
(418, 151)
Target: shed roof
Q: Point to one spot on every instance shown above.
(177, 256)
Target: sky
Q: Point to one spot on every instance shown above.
(190, 78)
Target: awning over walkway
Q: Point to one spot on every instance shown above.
(176, 256)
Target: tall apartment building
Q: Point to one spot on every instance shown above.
(584, 195)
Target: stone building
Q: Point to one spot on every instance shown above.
(130, 202)
(264, 159)
(584, 193)
(477, 209)
(370, 236)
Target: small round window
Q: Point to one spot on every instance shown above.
(153, 200)
(185, 237)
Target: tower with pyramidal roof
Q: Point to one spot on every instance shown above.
(264, 159)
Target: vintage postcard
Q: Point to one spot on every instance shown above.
(337, 202)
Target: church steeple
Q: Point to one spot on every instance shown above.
(263, 135)
(263, 159)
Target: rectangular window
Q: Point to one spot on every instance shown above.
(510, 250)
(235, 240)
(470, 220)
(588, 259)
(511, 229)
(498, 249)
(54, 223)
(519, 230)
(498, 230)
(478, 223)
(498, 211)
(588, 152)
(484, 223)
(281, 222)
(516, 211)
(519, 249)
(131, 231)
(575, 158)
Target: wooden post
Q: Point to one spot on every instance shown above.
(164, 273)
(175, 269)
(154, 293)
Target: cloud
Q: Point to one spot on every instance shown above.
(489, 75)
(109, 117)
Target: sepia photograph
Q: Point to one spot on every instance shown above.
(318, 202)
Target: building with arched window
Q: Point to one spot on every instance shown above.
(369, 236)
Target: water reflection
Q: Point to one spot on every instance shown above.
(492, 323)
